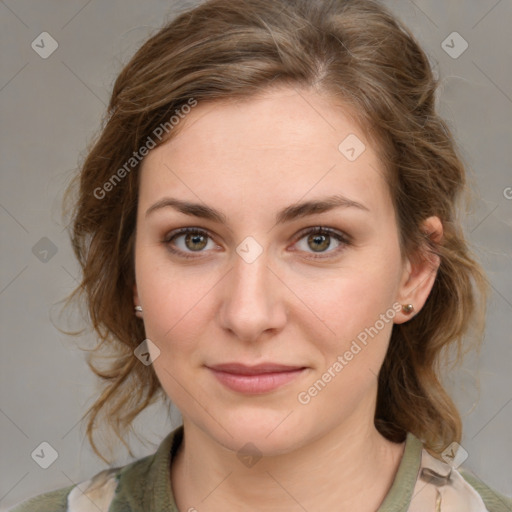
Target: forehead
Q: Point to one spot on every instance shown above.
(280, 145)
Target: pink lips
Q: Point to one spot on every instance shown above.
(258, 379)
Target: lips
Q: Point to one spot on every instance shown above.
(254, 380)
(241, 369)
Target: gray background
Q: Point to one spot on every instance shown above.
(52, 107)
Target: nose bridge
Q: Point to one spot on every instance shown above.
(250, 277)
(251, 303)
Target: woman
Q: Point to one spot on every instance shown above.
(268, 235)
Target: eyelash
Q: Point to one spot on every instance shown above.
(339, 236)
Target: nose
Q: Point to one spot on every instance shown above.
(253, 300)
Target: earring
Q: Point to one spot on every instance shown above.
(138, 309)
(407, 308)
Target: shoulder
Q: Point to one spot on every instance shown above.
(55, 501)
(89, 496)
(494, 501)
(133, 487)
(442, 484)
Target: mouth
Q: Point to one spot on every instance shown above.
(259, 379)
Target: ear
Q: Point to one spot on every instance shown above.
(420, 271)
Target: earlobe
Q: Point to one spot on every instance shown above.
(420, 272)
(137, 307)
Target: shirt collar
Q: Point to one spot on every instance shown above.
(399, 496)
(146, 484)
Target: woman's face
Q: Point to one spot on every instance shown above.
(255, 285)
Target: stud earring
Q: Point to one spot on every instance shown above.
(138, 309)
(407, 308)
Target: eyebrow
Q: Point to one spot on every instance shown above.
(287, 214)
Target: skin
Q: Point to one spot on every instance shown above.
(250, 159)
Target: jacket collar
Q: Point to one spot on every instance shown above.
(146, 484)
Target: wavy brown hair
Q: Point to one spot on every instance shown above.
(358, 53)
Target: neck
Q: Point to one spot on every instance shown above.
(349, 468)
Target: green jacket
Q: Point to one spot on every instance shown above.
(422, 483)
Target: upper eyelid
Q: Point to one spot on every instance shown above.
(330, 231)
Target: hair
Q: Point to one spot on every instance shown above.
(358, 53)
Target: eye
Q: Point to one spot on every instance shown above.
(186, 241)
(192, 240)
(320, 238)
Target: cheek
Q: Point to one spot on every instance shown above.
(354, 300)
(171, 309)
(174, 316)
(175, 305)
(356, 310)
(162, 288)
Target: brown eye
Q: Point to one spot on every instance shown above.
(195, 241)
(186, 241)
(319, 240)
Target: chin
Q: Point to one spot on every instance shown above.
(266, 434)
